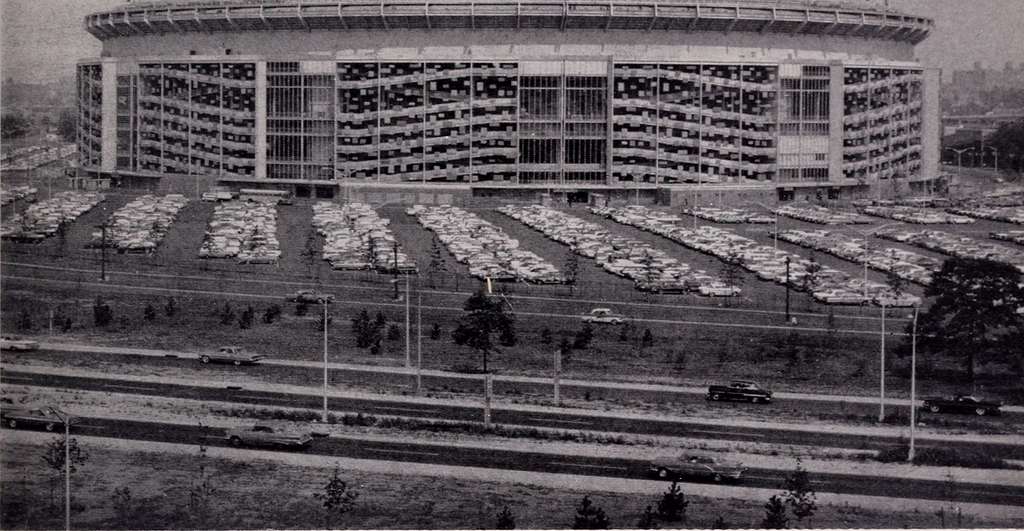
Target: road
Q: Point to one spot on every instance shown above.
(787, 405)
(554, 463)
(540, 419)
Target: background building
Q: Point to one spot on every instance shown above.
(760, 99)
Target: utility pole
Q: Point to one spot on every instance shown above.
(419, 342)
(881, 371)
(324, 302)
(408, 358)
(67, 473)
(395, 269)
(913, 388)
(557, 378)
(103, 252)
(788, 319)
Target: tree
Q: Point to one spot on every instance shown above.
(672, 505)
(800, 495)
(171, 308)
(14, 124)
(248, 317)
(974, 313)
(775, 514)
(227, 314)
(271, 314)
(897, 284)
(545, 336)
(572, 271)
(53, 456)
(810, 280)
(149, 313)
(435, 332)
(336, 499)
(394, 334)
(583, 336)
(200, 508)
(590, 516)
(101, 313)
(437, 265)
(301, 309)
(506, 520)
(648, 339)
(66, 125)
(732, 270)
(123, 505)
(648, 520)
(360, 328)
(484, 317)
(719, 523)
(24, 320)
(310, 254)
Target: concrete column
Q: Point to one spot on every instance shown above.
(261, 120)
(835, 134)
(108, 153)
(931, 124)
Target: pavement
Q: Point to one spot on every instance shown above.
(639, 387)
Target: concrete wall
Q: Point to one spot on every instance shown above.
(108, 157)
(931, 124)
(525, 44)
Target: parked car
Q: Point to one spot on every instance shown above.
(603, 316)
(739, 390)
(961, 404)
(233, 355)
(17, 343)
(695, 466)
(310, 296)
(47, 417)
(268, 436)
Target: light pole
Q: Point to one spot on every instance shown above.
(913, 387)
(408, 355)
(419, 341)
(788, 319)
(881, 372)
(323, 300)
(995, 156)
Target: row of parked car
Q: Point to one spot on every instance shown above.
(244, 230)
(141, 225)
(920, 216)
(954, 245)
(34, 156)
(16, 193)
(907, 265)
(486, 249)
(1015, 236)
(826, 284)
(1004, 214)
(729, 215)
(821, 215)
(44, 218)
(357, 239)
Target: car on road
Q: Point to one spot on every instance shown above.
(47, 417)
(603, 316)
(17, 343)
(309, 296)
(741, 390)
(719, 289)
(268, 436)
(961, 404)
(697, 467)
(231, 354)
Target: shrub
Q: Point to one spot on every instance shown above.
(648, 339)
(506, 520)
(672, 505)
(149, 313)
(799, 495)
(171, 307)
(24, 320)
(647, 520)
(583, 337)
(271, 314)
(507, 336)
(102, 315)
(545, 336)
(301, 309)
(227, 314)
(67, 324)
(775, 514)
(337, 499)
(435, 332)
(590, 516)
(394, 334)
(246, 320)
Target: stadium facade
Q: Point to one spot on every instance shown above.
(775, 98)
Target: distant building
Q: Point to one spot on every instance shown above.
(488, 97)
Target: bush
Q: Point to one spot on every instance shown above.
(583, 337)
(647, 520)
(301, 309)
(102, 315)
(67, 323)
(149, 313)
(246, 320)
(394, 334)
(648, 339)
(506, 520)
(590, 516)
(775, 514)
(672, 505)
(227, 314)
(507, 336)
(435, 332)
(171, 308)
(545, 336)
(24, 320)
(272, 314)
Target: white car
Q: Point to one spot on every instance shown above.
(17, 343)
(603, 316)
(718, 289)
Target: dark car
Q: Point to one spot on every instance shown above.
(741, 390)
(961, 404)
(268, 436)
(310, 296)
(699, 467)
(232, 355)
(47, 417)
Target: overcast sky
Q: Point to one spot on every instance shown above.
(41, 39)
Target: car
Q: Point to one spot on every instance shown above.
(266, 435)
(309, 296)
(961, 404)
(603, 316)
(897, 301)
(742, 390)
(47, 417)
(17, 343)
(697, 466)
(231, 354)
(717, 289)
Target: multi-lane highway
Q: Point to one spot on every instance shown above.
(569, 420)
(554, 463)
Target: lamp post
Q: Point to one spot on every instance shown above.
(419, 341)
(995, 156)
(913, 387)
(408, 355)
(788, 320)
(881, 372)
(323, 300)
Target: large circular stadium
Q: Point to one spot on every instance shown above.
(674, 100)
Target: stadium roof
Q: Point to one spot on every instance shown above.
(862, 18)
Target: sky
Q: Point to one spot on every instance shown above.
(40, 40)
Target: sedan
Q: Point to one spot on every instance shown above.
(231, 354)
(49, 418)
(697, 467)
(310, 296)
(17, 343)
(267, 436)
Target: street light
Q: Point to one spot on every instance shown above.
(959, 158)
(995, 156)
(881, 372)
(913, 387)
(324, 302)
(408, 355)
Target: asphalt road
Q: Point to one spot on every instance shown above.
(540, 419)
(304, 373)
(554, 463)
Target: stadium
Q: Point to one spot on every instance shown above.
(667, 101)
